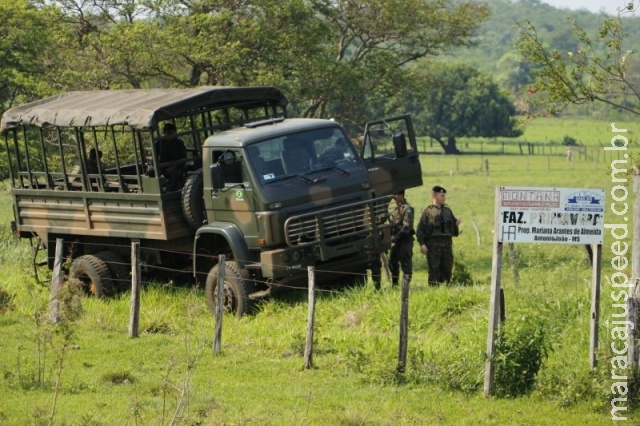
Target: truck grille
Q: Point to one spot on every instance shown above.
(337, 225)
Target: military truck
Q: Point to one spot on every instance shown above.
(267, 191)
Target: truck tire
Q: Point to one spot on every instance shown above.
(94, 275)
(120, 271)
(237, 287)
(192, 201)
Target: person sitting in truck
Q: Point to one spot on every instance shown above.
(171, 148)
(334, 153)
(295, 157)
(231, 167)
(94, 162)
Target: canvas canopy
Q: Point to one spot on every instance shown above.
(139, 108)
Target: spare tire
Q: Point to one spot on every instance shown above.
(193, 201)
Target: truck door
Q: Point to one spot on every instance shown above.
(390, 153)
(234, 201)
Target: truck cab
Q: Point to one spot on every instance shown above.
(294, 193)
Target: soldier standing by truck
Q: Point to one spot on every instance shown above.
(401, 252)
(436, 228)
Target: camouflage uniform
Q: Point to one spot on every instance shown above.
(375, 263)
(402, 233)
(436, 228)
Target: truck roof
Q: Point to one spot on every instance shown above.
(137, 108)
(242, 136)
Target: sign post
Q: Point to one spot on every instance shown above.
(545, 215)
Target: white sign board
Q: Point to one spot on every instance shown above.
(550, 215)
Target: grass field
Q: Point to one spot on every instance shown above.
(170, 376)
(545, 137)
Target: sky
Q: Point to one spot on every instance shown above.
(608, 6)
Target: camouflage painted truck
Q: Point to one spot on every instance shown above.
(255, 188)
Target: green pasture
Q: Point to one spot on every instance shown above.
(169, 374)
(587, 132)
(544, 136)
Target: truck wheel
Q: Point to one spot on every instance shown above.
(237, 287)
(192, 201)
(94, 275)
(120, 271)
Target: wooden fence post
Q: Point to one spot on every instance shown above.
(56, 283)
(513, 258)
(494, 302)
(404, 326)
(134, 317)
(478, 236)
(595, 304)
(308, 348)
(217, 340)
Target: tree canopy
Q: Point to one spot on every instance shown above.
(456, 100)
(590, 69)
(27, 52)
(332, 58)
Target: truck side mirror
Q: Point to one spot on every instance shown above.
(217, 178)
(399, 145)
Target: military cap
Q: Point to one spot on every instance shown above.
(439, 189)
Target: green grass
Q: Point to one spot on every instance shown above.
(170, 370)
(587, 132)
(545, 135)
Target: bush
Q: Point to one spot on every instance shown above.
(6, 301)
(522, 346)
(569, 141)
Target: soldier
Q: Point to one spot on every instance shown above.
(171, 148)
(334, 153)
(435, 230)
(94, 162)
(402, 239)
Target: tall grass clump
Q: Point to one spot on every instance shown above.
(522, 347)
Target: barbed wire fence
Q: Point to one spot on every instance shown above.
(478, 157)
(135, 282)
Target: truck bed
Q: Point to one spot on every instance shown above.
(117, 214)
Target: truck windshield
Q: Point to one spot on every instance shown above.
(321, 150)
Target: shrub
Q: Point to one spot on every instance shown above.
(522, 346)
(569, 141)
(6, 301)
(461, 274)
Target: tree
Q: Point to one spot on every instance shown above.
(372, 42)
(332, 58)
(27, 52)
(456, 100)
(596, 70)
